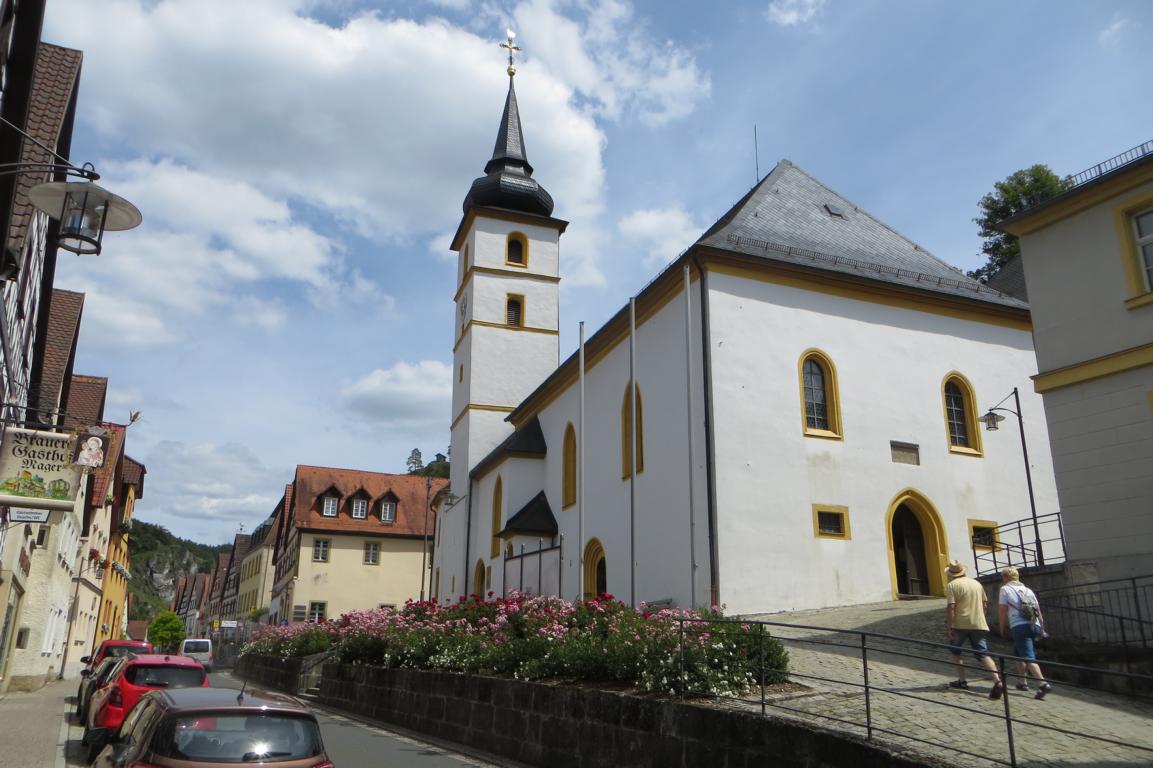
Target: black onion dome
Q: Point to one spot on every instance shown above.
(508, 181)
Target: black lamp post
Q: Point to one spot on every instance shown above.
(990, 420)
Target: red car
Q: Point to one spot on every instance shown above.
(133, 677)
(115, 648)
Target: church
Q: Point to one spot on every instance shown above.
(786, 417)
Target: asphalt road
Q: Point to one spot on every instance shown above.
(353, 744)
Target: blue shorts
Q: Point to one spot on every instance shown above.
(975, 638)
(1023, 635)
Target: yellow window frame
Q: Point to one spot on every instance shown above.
(834, 509)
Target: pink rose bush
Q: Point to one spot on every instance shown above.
(537, 637)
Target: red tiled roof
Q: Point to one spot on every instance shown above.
(137, 629)
(63, 329)
(132, 472)
(412, 493)
(102, 476)
(54, 80)
(86, 400)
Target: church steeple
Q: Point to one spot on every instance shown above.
(508, 181)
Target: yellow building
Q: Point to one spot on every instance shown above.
(255, 591)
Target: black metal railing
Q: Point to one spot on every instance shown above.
(1102, 614)
(860, 704)
(1019, 544)
(518, 560)
(1112, 164)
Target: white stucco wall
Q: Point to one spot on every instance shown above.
(1074, 269)
(891, 364)
(1102, 433)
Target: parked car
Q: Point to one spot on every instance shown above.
(116, 649)
(90, 680)
(131, 678)
(214, 727)
(199, 648)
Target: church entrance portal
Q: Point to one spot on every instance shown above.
(918, 551)
(909, 553)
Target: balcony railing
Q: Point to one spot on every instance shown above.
(1022, 544)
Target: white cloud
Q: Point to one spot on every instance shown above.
(1114, 35)
(792, 13)
(414, 397)
(208, 490)
(662, 233)
(612, 62)
(267, 315)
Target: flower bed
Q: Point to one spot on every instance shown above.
(537, 637)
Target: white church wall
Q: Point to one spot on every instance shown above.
(891, 363)
(661, 522)
(518, 361)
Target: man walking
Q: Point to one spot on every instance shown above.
(965, 621)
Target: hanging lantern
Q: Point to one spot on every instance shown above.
(85, 212)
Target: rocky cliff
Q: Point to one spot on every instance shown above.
(158, 560)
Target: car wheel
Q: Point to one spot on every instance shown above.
(93, 752)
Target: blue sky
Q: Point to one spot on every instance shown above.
(300, 166)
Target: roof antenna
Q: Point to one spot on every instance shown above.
(756, 156)
(240, 696)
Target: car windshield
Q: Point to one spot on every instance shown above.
(160, 676)
(224, 737)
(196, 646)
(120, 651)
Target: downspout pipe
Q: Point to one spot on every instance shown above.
(467, 535)
(710, 448)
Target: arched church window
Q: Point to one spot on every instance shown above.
(497, 500)
(569, 480)
(961, 416)
(516, 250)
(627, 424)
(820, 395)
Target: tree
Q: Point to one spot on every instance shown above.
(415, 462)
(1018, 191)
(166, 631)
(438, 467)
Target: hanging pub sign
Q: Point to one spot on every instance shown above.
(37, 470)
(90, 448)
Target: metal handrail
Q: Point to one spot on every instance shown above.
(867, 643)
(1112, 164)
(986, 556)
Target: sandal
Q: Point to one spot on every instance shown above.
(963, 684)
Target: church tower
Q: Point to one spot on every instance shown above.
(506, 339)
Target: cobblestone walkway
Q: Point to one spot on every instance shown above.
(911, 695)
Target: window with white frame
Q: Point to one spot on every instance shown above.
(371, 553)
(1143, 222)
(317, 612)
(330, 505)
(320, 549)
(388, 511)
(360, 508)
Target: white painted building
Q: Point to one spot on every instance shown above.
(808, 387)
(1088, 263)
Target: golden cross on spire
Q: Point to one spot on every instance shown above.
(512, 48)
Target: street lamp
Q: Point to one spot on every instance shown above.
(991, 419)
(84, 209)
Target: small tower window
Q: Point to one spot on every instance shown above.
(514, 311)
(516, 250)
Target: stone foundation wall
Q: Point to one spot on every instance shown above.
(566, 726)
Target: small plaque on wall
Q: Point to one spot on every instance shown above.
(905, 453)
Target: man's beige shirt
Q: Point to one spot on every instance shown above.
(968, 596)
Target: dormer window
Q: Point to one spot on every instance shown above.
(360, 509)
(834, 211)
(388, 511)
(331, 503)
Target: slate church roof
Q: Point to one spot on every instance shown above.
(791, 217)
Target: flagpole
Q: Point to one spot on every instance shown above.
(689, 412)
(633, 468)
(580, 478)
